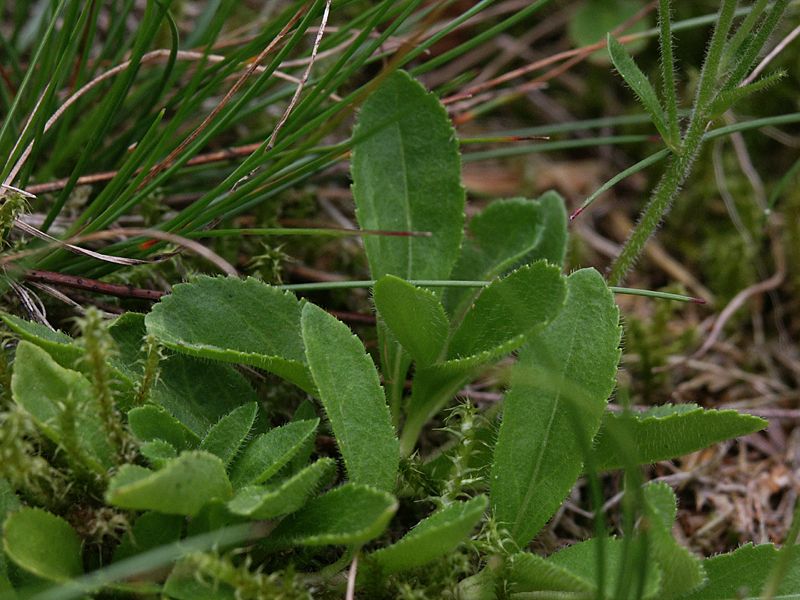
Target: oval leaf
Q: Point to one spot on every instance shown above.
(152, 422)
(226, 437)
(43, 544)
(351, 393)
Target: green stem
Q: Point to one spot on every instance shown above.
(668, 72)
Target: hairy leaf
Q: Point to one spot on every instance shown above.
(182, 487)
(432, 537)
(350, 514)
(57, 343)
(234, 320)
(559, 389)
(152, 422)
(158, 452)
(533, 573)
(42, 544)
(351, 393)
(270, 451)
(285, 497)
(666, 432)
(226, 437)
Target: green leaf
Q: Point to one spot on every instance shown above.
(285, 497)
(532, 573)
(150, 531)
(351, 393)
(43, 544)
(158, 452)
(593, 19)
(270, 451)
(506, 311)
(504, 236)
(681, 571)
(234, 320)
(415, 316)
(182, 487)
(151, 422)
(226, 437)
(744, 572)
(641, 86)
(58, 344)
(41, 386)
(728, 97)
(666, 432)
(432, 538)
(559, 389)
(184, 583)
(350, 514)
(407, 176)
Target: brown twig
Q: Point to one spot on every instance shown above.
(117, 290)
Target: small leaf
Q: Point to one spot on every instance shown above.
(41, 386)
(226, 437)
(150, 531)
(353, 399)
(559, 389)
(182, 487)
(350, 514)
(258, 502)
(43, 544)
(730, 96)
(640, 85)
(666, 432)
(57, 343)
(744, 572)
(432, 537)
(234, 320)
(532, 573)
(158, 452)
(152, 422)
(270, 451)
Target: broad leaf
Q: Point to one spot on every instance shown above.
(666, 432)
(234, 320)
(152, 422)
(41, 386)
(414, 315)
(351, 393)
(504, 236)
(285, 497)
(640, 85)
(744, 572)
(182, 487)
(226, 437)
(559, 389)
(432, 537)
(150, 531)
(270, 451)
(350, 514)
(681, 570)
(43, 544)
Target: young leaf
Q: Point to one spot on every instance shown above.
(270, 451)
(665, 432)
(158, 452)
(744, 572)
(234, 320)
(259, 502)
(681, 570)
(351, 393)
(432, 537)
(182, 487)
(43, 544)
(152, 422)
(350, 514)
(504, 236)
(641, 86)
(226, 437)
(40, 386)
(728, 97)
(407, 176)
(414, 315)
(150, 531)
(559, 389)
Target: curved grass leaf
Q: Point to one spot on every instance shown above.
(354, 401)
(559, 389)
(226, 437)
(504, 236)
(432, 537)
(270, 451)
(41, 386)
(234, 320)
(350, 514)
(288, 496)
(152, 422)
(182, 487)
(666, 432)
(681, 571)
(414, 315)
(43, 544)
